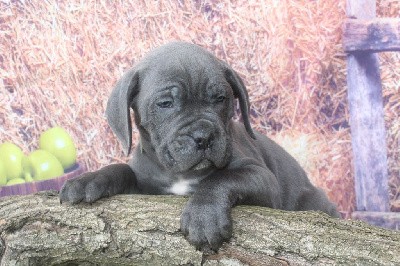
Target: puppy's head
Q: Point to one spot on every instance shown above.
(183, 98)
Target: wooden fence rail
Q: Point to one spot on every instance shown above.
(363, 36)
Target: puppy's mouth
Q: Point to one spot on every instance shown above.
(203, 164)
(196, 166)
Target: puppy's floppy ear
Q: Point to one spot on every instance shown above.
(118, 108)
(240, 92)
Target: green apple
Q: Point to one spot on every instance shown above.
(58, 142)
(11, 155)
(14, 181)
(3, 175)
(41, 165)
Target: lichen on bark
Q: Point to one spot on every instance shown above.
(142, 229)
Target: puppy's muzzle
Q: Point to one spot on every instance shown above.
(197, 146)
(198, 137)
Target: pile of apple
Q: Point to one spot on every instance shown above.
(56, 153)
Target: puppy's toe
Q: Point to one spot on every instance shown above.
(94, 191)
(197, 238)
(72, 192)
(214, 237)
(225, 227)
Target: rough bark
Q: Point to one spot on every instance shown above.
(144, 230)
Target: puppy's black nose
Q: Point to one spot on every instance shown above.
(203, 139)
(201, 143)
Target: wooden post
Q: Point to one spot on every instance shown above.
(367, 121)
(368, 133)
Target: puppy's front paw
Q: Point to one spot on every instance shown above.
(206, 225)
(88, 187)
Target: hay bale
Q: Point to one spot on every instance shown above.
(59, 61)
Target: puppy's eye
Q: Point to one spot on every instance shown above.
(165, 104)
(220, 99)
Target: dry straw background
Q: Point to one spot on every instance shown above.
(60, 59)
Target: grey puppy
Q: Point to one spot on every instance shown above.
(183, 101)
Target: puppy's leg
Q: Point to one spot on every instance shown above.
(108, 181)
(315, 199)
(206, 219)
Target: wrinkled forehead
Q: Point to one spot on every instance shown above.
(190, 71)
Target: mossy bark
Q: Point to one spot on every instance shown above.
(144, 230)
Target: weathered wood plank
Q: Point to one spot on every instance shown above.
(368, 132)
(376, 35)
(389, 220)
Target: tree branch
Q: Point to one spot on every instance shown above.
(139, 229)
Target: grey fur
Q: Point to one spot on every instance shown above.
(182, 97)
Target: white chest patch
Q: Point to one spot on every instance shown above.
(183, 187)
